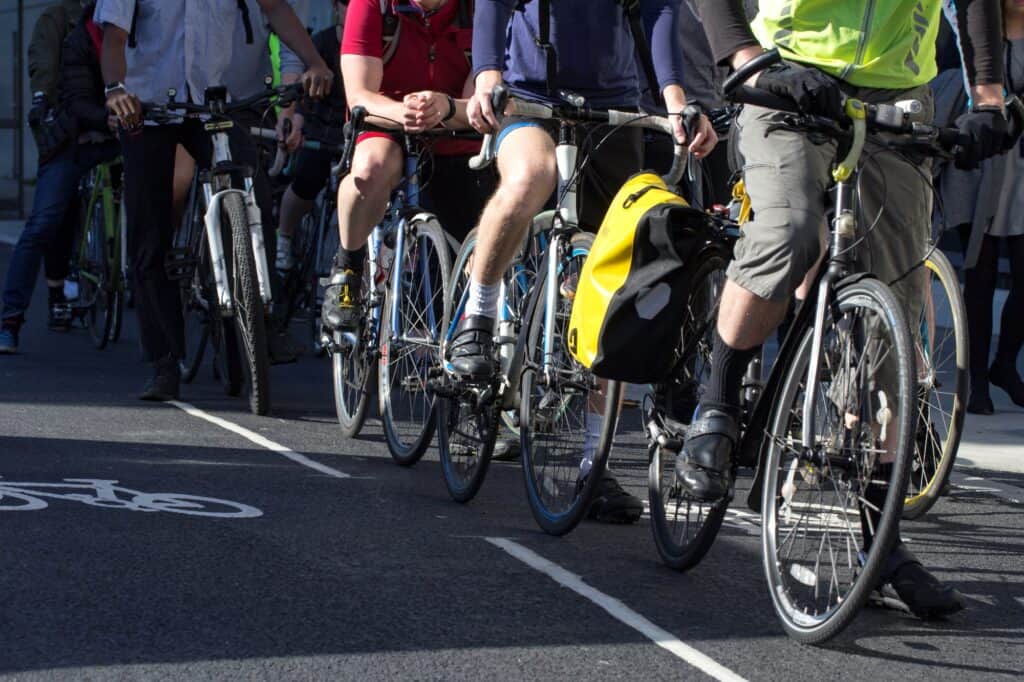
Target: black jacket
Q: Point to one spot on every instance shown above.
(81, 81)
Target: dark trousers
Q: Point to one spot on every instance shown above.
(149, 178)
(50, 229)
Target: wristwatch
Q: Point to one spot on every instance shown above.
(451, 109)
(113, 87)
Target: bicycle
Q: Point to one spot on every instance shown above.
(101, 275)
(536, 373)
(224, 299)
(315, 241)
(839, 397)
(409, 257)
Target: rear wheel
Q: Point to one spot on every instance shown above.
(410, 344)
(467, 423)
(830, 506)
(685, 528)
(942, 358)
(95, 282)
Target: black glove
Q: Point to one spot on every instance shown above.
(813, 91)
(986, 132)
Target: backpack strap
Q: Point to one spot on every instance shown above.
(544, 43)
(132, 42)
(631, 8)
(392, 28)
(243, 7)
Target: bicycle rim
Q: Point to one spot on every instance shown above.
(406, 407)
(563, 456)
(466, 426)
(942, 357)
(821, 560)
(352, 369)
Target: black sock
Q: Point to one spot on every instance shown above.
(728, 366)
(56, 294)
(875, 496)
(350, 260)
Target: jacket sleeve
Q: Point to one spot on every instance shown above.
(81, 93)
(44, 53)
(490, 27)
(290, 62)
(725, 22)
(660, 22)
(980, 24)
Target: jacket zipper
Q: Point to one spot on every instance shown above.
(432, 52)
(862, 43)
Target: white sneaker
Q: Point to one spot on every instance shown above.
(285, 259)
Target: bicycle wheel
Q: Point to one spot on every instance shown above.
(563, 456)
(95, 279)
(942, 357)
(410, 345)
(354, 367)
(467, 421)
(684, 528)
(250, 321)
(196, 313)
(820, 561)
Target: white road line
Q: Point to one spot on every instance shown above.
(986, 485)
(617, 610)
(259, 440)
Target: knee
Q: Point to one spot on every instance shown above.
(529, 183)
(375, 174)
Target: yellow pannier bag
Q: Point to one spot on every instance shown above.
(630, 301)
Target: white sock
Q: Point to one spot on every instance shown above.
(483, 299)
(594, 425)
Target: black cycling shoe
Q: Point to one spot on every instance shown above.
(166, 382)
(923, 593)
(1005, 376)
(612, 504)
(980, 402)
(471, 352)
(60, 311)
(342, 309)
(703, 465)
(283, 348)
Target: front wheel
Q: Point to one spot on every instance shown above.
(410, 340)
(250, 321)
(354, 369)
(831, 505)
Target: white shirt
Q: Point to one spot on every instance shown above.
(250, 62)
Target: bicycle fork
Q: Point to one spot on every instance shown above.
(215, 241)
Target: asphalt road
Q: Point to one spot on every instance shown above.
(327, 561)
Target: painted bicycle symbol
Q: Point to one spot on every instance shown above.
(108, 494)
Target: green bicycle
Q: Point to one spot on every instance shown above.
(102, 281)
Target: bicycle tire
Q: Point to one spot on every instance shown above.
(99, 318)
(560, 479)
(353, 370)
(940, 412)
(795, 586)
(250, 320)
(683, 547)
(404, 372)
(195, 309)
(466, 429)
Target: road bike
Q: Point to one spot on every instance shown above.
(224, 299)
(537, 375)
(102, 278)
(835, 417)
(405, 285)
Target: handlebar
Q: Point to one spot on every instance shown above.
(501, 100)
(281, 159)
(216, 103)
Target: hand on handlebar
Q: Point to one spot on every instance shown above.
(290, 135)
(317, 81)
(704, 136)
(480, 111)
(813, 91)
(986, 130)
(423, 110)
(126, 107)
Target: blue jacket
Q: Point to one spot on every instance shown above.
(592, 41)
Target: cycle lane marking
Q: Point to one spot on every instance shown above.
(617, 610)
(258, 439)
(977, 484)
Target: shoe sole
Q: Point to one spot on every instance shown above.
(617, 518)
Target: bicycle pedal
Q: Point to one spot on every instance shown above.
(179, 264)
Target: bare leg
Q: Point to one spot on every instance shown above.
(363, 195)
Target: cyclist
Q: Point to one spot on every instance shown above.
(322, 120)
(82, 141)
(595, 59)
(424, 83)
(830, 52)
(150, 46)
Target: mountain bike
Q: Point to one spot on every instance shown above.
(101, 275)
(409, 257)
(536, 372)
(839, 402)
(224, 300)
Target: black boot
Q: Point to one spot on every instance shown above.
(471, 352)
(703, 466)
(1003, 374)
(613, 504)
(166, 382)
(924, 595)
